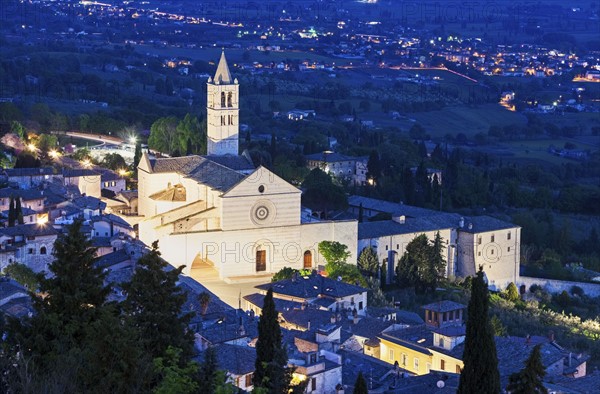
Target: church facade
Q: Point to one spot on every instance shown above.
(219, 209)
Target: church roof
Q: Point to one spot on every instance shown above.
(172, 193)
(223, 75)
(202, 170)
(235, 162)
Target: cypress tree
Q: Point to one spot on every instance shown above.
(270, 372)
(529, 379)
(12, 217)
(361, 213)
(480, 373)
(209, 371)
(137, 155)
(18, 210)
(154, 302)
(437, 262)
(368, 262)
(360, 386)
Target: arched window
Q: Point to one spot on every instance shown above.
(223, 120)
(230, 99)
(222, 99)
(43, 250)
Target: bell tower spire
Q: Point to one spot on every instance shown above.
(222, 109)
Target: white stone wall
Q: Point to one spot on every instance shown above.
(325, 381)
(498, 253)
(233, 253)
(31, 255)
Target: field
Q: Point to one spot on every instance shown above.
(466, 120)
(537, 151)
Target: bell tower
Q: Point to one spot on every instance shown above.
(222, 112)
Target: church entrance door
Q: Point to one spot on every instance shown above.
(261, 260)
(307, 260)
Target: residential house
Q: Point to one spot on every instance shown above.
(112, 181)
(14, 299)
(26, 178)
(30, 198)
(348, 169)
(32, 245)
(109, 225)
(86, 180)
(238, 362)
(315, 289)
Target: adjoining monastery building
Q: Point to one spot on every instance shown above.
(221, 210)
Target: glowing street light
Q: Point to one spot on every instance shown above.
(86, 163)
(54, 154)
(31, 147)
(123, 172)
(133, 140)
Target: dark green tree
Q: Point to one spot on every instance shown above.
(321, 194)
(529, 380)
(137, 155)
(480, 372)
(175, 378)
(154, 303)
(437, 263)
(12, 213)
(422, 265)
(360, 386)
(209, 370)
(164, 135)
(75, 342)
(512, 293)
(19, 210)
(114, 161)
(190, 136)
(368, 262)
(22, 274)
(271, 372)
(334, 252)
(374, 167)
(361, 213)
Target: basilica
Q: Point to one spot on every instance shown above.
(219, 209)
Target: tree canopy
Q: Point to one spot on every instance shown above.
(422, 266)
(321, 194)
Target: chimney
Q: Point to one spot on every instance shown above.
(461, 222)
(399, 219)
(355, 319)
(332, 319)
(470, 226)
(308, 326)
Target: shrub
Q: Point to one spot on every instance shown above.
(577, 291)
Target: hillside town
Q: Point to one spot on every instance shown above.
(221, 212)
